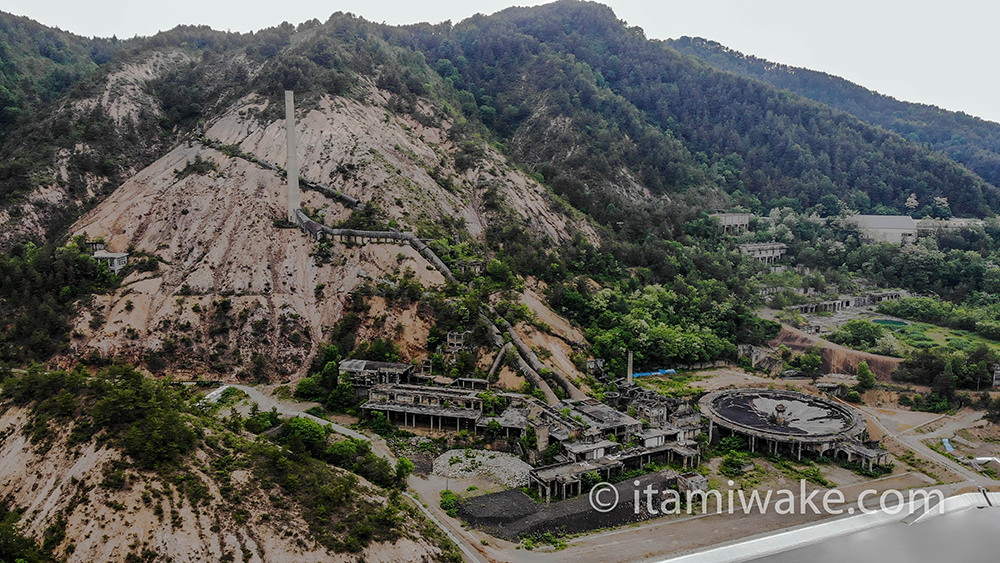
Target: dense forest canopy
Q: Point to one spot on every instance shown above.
(675, 122)
(969, 140)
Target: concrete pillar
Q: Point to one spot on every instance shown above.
(294, 197)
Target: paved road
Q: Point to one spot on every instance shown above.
(296, 408)
(948, 429)
(379, 446)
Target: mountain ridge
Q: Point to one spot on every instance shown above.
(971, 140)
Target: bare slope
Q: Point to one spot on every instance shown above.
(106, 513)
(234, 291)
(96, 139)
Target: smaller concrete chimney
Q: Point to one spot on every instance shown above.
(541, 438)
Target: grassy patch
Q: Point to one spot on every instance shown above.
(679, 385)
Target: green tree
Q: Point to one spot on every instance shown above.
(866, 379)
(404, 467)
(858, 333)
(944, 382)
(810, 363)
(308, 432)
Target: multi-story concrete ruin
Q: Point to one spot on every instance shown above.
(766, 252)
(733, 223)
(366, 373)
(435, 407)
(116, 261)
(847, 302)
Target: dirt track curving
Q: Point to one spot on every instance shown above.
(837, 358)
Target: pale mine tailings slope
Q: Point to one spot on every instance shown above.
(123, 101)
(63, 486)
(837, 358)
(368, 152)
(238, 294)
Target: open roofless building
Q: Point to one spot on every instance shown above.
(791, 422)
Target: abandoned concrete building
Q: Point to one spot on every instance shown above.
(733, 223)
(608, 459)
(929, 226)
(566, 479)
(594, 437)
(606, 420)
(846, 302)
(366, 373)
(116, 261)
(456, 342)
(438, 408)
(690, 483)
(766, 252)
(471, 383)
(896, 229)
(791, 422)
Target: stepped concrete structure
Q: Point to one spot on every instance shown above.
(733, 223)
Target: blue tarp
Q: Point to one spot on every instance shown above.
(657, 372)
(947, 445)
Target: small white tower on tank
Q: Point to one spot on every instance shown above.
(294, 196)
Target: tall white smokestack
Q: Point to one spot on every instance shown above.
(628, 377)
(294, 197)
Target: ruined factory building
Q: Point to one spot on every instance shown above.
(365, 373)
(733, 223)
(791, 422)
(766, 252)
(896, 229)
(440, 408)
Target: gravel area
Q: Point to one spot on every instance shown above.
(506, 469)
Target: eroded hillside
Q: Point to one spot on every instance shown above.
(228, 288)
(120, 468)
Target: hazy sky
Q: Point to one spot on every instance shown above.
(935, 52)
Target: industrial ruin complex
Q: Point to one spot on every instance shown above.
(599, 437)
(594, 436)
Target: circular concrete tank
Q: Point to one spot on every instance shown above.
(781, 416)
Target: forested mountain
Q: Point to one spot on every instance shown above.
(967, 139)
(635, 104)
(605, 116)
(638, 137)
(38, 64)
